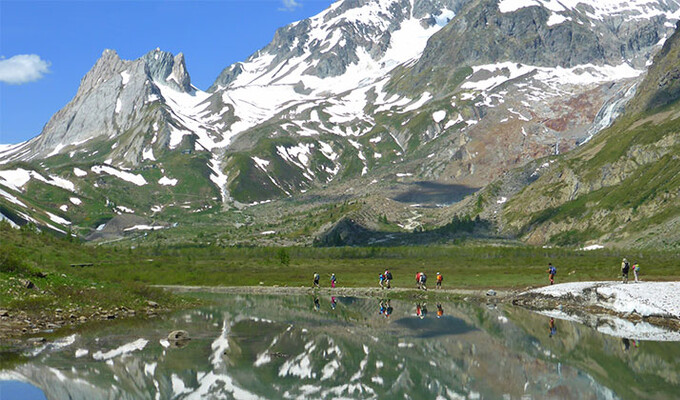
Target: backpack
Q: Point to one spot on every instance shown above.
(626, 267)
(389, 275)
(553, 270)
(440, 278)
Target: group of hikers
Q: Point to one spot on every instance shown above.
(625, 269)
(385, 278)
(317, 278)
(421, 280)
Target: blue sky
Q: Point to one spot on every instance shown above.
(46, 47)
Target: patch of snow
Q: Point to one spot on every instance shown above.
(125, 75)
(143, 228)
(126, 176)
(57, 219)
(124, 209)
(267, 233)
(79, 172)
(592, 247)
(75, 201)
(12, 199)
(502, 200)
(119, 105)
(556, 19)
(63, 207)
(438, 116)
(147, 154)
(165, 181)
(643, 298)
(81, 353)
(261, 163)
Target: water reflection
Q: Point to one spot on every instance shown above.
(271, 347)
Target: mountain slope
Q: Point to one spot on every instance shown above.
(398, 103)
(621, 187)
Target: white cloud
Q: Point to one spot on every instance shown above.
(290, 5)
(23, 68)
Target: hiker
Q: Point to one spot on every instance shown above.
(440, 278)
(636, 271)
(440, 311)
(388, 278)
(423, 279)
(625, 267)
(381, 279)
(551, 273)
(333, 280)
(316, 280)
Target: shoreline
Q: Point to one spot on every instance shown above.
(18, 330)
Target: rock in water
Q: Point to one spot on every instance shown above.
(178, 335)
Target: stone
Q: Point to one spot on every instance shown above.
(4, 313)
(152, 304)
(491, 292)
(27, 284)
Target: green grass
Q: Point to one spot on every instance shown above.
(121, 275)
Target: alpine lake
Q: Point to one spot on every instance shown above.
(315, 346)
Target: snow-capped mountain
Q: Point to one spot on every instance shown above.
(366, 94)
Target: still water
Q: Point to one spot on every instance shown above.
(306, 347)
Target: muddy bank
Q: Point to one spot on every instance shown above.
(17, 326)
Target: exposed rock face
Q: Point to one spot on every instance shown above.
(116, 96)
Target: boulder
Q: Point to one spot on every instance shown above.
(178, 335)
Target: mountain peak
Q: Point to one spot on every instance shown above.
(168, 69)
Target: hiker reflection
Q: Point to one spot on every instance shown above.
(421, 310)
(333, 302)
(385, 308)
(625, 344)
(317, 305)
(552, 327)
(440, 311)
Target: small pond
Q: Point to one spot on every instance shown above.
(307, 347)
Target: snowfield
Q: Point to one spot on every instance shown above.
(646, 299)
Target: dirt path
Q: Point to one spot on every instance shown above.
(500, 295)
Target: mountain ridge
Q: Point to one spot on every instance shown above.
(356, 102)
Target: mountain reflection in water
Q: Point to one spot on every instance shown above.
(307, 347)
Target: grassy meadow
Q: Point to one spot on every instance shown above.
(465, 266)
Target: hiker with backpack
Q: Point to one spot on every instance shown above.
(381, 279)
(440, 278)
(333, 280)
(418, 280)
(316, 280)
(388, 278)
(625, 267)
(423, 279)
(551, 273)
(636, 271)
